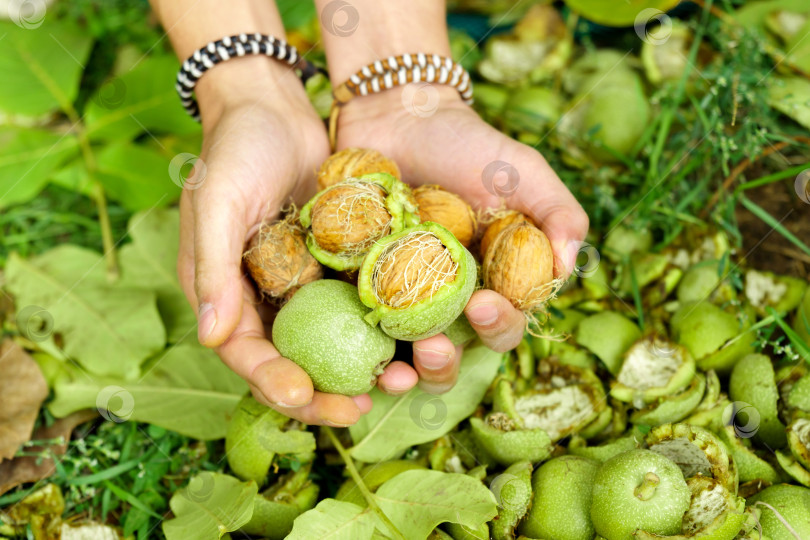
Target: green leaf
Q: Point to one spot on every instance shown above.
(618, 13)
(210, 506)
(186, 389)
(149, 261)
(41, 66)
(28, 157)
(296, 13)
(143, 99)
(108, 329)
(334, 520)
(74, 176)
(417, 501)
(791, 97)
(136, 177)
(397, 422)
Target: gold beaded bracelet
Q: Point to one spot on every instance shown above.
(399, 70)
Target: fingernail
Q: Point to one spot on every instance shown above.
(206, 321)
(483, 314)
(335, 424)
(430, 359)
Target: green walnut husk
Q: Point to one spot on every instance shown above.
(797, 463)
(801, 320)
(672, 408)
(533, 110)
(697, 451)
(709, 412)
(562, 500)
(715, 338)
(398, 203)
(791, 503)
(275, 509)
(653, 368)
(632, 440)
(799, 395)
(713, 514)
(752, 382)
(705, 280)
(563, 400)
(766, 289)
(638, 490)
(793, 468)
(513, 493)
(750, 466)
(665, 54)
(641, 270)
(506, 443)
(412, 310)
(322, 329)
(607, 335)
(257, 434)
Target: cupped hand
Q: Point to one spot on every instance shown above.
(260, 152)
(436, 139)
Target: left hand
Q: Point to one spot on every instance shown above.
(443, 141)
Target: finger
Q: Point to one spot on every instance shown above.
(363, 402)
(554, 209)
(248, 353)
(436, 361)
(496, 321)
(185, 254)
(397, 378)
(219, 236)
(325, 409)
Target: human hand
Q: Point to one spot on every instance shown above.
(443, 141)
(262, 143)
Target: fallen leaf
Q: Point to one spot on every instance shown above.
(30, 468)
(40, 511)
(23, 389)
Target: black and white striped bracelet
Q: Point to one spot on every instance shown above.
(234, 46)
(399, 70)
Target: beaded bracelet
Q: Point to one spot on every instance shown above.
(399, 70)
(234, 46)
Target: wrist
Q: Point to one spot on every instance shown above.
(249, 81)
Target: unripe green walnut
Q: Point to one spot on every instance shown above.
(417, 281)
(323, 330)
(638, 490)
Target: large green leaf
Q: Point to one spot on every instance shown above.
(28, 157)
(333, 520)
(143, 99)
(136, 177)
(187, 389)
(211, 505)
(108, 329)
(791, 96)
(398, 422)
(622, 13)
(416, 501)
(149, 261)
(41, 66)
(74, 176)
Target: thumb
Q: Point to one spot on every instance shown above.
(219, 237)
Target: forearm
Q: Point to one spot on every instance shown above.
(383, 28)
(191, 24)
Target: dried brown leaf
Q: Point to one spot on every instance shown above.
(22, 391)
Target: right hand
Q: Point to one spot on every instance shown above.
(262, 143)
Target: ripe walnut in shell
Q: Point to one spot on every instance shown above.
(502, 220)
(519, 264)
(278, 259)
(448, 210)
(345, 220)
(416, 281)
(354, 162)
